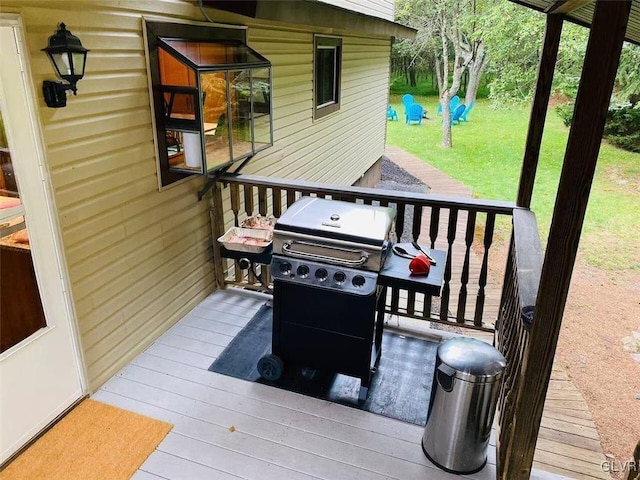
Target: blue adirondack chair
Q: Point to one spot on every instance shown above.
(391, 113)
(414, 114)
(407, 101)
(453, 103)
(455, 116)
(463, 117)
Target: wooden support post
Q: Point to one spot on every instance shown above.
(599, 71)
(634, 467)
(539, 109)
(217, 229)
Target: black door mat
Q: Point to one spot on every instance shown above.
(400, 388)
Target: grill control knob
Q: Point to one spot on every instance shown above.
(285, 268)
(339, 277)
(358, 281)
(321, 274)
(302, 271)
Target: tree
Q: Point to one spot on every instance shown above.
(473, 47)
(628, 78)
(444, 31)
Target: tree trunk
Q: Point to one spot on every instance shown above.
(412, 76)
(443, 81)
(445, 99)
(476, 68)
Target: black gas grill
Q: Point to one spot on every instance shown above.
(326, 258)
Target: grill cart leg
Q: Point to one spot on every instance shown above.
(362, 396)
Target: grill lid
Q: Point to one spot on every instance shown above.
(333, 219)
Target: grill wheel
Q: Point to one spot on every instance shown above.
(270, 367)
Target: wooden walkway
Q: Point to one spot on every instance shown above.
(230, 428)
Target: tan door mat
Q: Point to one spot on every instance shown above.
(93, 441)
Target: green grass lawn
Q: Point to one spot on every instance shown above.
(487, 156)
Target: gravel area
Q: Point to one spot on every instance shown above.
(395, 178)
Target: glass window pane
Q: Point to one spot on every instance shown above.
(261, 97)
(184, 150)
(325, 75)
(241, 113)
(173, 71)
(21, 312)
(211, 54)
(216, 125)
(8, 183)
(180, 106)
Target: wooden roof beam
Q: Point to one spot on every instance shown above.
(566, 6)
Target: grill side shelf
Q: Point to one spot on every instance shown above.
(396, 274)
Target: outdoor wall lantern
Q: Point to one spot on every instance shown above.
(68, 57)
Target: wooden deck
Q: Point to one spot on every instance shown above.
(227, 428)
(230, 428)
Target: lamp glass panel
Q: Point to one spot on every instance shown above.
(215, 118)
(62, 64)
(79, 59)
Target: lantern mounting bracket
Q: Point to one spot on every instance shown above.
(55, 93)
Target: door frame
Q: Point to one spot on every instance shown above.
(43, 215)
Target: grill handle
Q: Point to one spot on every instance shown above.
(364, 256)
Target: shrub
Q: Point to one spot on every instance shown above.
(623, 127)
(565, 112)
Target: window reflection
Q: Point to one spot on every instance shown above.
(216, 124)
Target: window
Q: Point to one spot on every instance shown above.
(326, 77)
(211, 97)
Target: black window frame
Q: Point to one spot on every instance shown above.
(157, 35)
(322, 43)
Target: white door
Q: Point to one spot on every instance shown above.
(40, 369)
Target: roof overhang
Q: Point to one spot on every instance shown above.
(581, 12)
(313, 13)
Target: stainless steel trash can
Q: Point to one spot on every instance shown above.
(466, 383)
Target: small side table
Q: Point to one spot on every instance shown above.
(396, 274)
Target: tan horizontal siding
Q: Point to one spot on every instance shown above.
(376, 8)
(138, 258)
(337, 149)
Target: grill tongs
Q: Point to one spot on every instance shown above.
(289, 249)
(401, 252)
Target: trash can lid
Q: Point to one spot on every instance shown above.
(472, 359)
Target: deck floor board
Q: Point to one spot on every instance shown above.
(225, 427)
